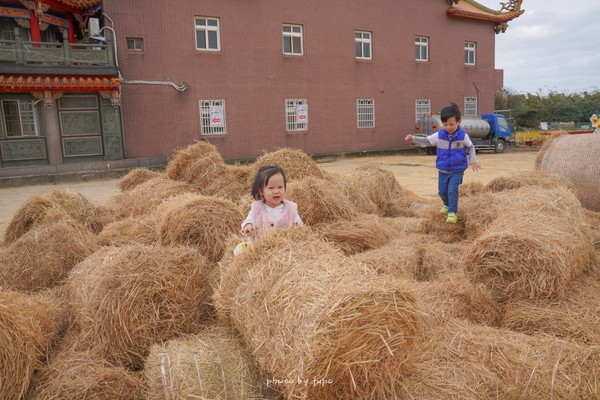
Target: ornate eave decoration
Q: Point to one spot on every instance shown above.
(68, 83)
(470, 9)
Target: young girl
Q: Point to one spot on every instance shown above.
(270, 208)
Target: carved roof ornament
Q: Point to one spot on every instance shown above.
(470, 9)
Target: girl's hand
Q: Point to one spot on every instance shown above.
(475, 166)
(408, 138)
(248, 228)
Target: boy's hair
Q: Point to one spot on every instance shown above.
(450, 111)
(262, 178)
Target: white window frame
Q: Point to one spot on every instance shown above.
(208, 30)
(136, 42)
(289, 32)
(206, 106)
(470, 106)
(365, 113)
(362, 41)
(34, 118)
(422, 107)
(421, 48)
(470, 53)
(291, 116)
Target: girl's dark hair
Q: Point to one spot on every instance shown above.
(450, 111)
(262, 178)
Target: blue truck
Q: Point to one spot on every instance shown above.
(487, 131)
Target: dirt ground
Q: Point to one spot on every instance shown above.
(415, 172)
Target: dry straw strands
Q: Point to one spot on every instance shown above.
(29, 326)
(136, 177)
(179, 168)
(199, 221)
(465, 361)
(539, 179)
(296, 164)
(138, 295)
(140, 229)
(319, 325)
(576, 158)
(211, 365)
(54, 205)
(77, 375)
(43, 257)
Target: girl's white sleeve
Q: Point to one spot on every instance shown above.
(248, 220)
(298, 220)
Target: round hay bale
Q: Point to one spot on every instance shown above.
(319, 201)
(180, 167)
(139, 295)
(576, 158)
(296, 164)
(38, 210)
(140, 229)
(29, 326)
(199, 221)
(43, 257)
(540, 179)
(434, 224)
(470, 189)
(383, 189)
(322, 325)
(359, 198)
(136, 177)
(365, 232)
(212, 365)
(530, 256)
(467, 361)
(76, 375)
(243, 173)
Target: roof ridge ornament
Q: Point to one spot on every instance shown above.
(511, 5)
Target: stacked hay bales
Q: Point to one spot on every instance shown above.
(571, 156)
(135, 177)
(126, 299)
(212, 364)
(321, 326)
(141, 229)
(296, 164)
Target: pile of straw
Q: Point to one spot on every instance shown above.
(296, 164)
(57, 204)
(466, 361)
(319, 201)
(136, 177)
(574, 157)
(199, 221)
(539, 179)
(77, 375)
(212, 365)
(321, 325)
(470, 189)
(43, 256)
(140, 229)
(359, 198)
(435, 225)
(180, 167)
(29, 326)
(139, 295)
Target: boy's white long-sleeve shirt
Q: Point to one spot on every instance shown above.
(273, 212)
(432, 140)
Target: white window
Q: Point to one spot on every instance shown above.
(470, 48)
(422, 107)
(135, 44)
(296, 114)
(362, 45)
(292, 39)
(208, 35)
(421, 48)
(212, 117)
(19, 118)
(470, 106)
(365, 113)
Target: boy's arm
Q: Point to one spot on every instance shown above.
(422, 141)
(471, 153)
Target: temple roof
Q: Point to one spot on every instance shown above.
(81, 4)
(470, 9)
(68, 83)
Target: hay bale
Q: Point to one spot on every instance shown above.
(467, 361)
(319, 201)
(212, 365)
(76, 375)
(296, 164)
(136, 177)
(141, 229)
(57, 204)
(434, 224)
(359, 198)
(128, 298)
(43, 257)
(180, 167)
(573, 316)
(365, 232)
(530, 255)
(29, 326)
(323, 326)
(539, 179)
(199, 221)
(575, 157)
(470, 189)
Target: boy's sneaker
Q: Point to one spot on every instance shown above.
(452, 218)
(444, 210)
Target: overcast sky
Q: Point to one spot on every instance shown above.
(553, 46)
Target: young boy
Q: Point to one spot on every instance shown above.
(452, 145)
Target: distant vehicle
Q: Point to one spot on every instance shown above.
(487, 131)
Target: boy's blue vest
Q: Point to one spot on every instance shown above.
(451, 152)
